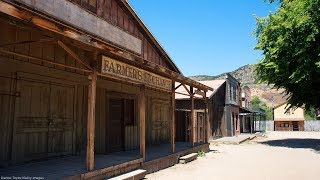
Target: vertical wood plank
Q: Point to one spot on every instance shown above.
(142, 118)
(192, 116)
(91, 120)
(207, 120)
(173, 118)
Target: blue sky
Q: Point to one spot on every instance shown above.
(205, 37)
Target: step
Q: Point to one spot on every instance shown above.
(187, 158)
(133, 175)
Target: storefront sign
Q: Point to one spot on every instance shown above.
(120, 69)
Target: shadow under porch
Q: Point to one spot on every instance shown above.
(74, 167)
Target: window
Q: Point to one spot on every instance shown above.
(230, 92)
(284, 125)
(234, 93)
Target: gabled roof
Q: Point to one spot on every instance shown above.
(150, 35)
(215, 84)
(283, 103)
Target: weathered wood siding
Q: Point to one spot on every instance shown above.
(43, 107)
(112, 12)
(217, 113)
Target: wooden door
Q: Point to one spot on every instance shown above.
(200, 127)
(31, 121)
(115, 125)
(160, 131)
(60, 133)
(295, 126)
(43, 120)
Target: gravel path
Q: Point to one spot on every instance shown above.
(280, 155)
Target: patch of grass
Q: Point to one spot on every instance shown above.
(201, 154)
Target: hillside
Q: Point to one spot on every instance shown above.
(246, 75)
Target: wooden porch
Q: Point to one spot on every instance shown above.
(74, 167)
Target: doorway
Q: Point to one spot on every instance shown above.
(121, 123)
(295, 126)
(182, 126)
(200, 126)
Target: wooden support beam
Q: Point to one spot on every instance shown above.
(50, 40)
(207, 120)
(42, 60)
(91, 120)
(185, 87)
(183, 94)
(199, 92)
(173, 117)
(192, 116)
(73, 54)
(178, 86)
(142, 120)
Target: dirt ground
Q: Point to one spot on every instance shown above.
(279, 155)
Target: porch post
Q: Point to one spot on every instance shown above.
(173, 104)
(250, 123)
(142, 119)
(91, 119)
(243, 123)
(192, 116)
(207, 125)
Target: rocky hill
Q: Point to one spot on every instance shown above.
(247, 76)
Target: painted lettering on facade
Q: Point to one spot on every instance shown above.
(120, 69)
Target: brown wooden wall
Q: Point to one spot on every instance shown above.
(217, 117)
(112, 12)
(46, 51)
(43, 104)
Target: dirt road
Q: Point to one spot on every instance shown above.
(280, 155)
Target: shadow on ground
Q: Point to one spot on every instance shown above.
(295, 143)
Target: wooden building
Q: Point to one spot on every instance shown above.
(223, 109)
(291, 119)
(83, 78)
(246, 112)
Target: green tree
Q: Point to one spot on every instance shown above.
(310, 114)
(290, 41)
(257, 104)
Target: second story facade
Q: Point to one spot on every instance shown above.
(232, 91)
(246, 97)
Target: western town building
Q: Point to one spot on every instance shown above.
(223, 109)
(246, 112)
(288, 119)
(87, 89)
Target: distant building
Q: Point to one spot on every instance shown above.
(246, 115)
(291, 119)
(223, 110)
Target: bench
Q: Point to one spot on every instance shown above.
(133, 175)
(188, 158)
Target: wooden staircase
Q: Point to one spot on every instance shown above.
(133, 175)
(187, 158)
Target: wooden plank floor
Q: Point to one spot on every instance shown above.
(72, 165)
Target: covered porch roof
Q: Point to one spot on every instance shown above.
(90, 42)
